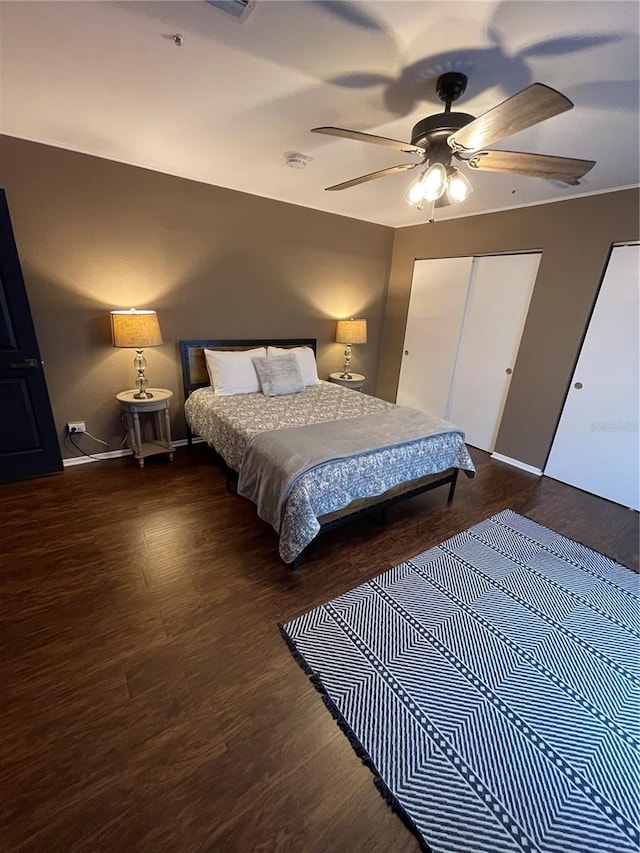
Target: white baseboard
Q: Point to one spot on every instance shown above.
(116, 454)
(95, 457)
(517, 464)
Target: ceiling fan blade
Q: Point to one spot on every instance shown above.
(567, 169)
(407, 147)
(372, 176)
(524, 109)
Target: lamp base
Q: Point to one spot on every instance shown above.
(141, 380)
(347, 363)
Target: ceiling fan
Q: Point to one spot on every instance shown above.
(439, 138)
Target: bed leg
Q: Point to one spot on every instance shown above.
(189, 439)
(452, 487)
(294, 565)
(230, 480)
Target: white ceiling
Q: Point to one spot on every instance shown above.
(105, 78)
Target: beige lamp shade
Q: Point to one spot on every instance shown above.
(351, 332)
(135, 329)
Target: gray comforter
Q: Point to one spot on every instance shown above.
(275, 460)
(231, 424)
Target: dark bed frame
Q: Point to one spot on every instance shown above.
(194, 375)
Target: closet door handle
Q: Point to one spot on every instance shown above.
(406, 352)
(508, 371)
(578, 385)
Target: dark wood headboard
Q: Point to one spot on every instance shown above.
(194, 368)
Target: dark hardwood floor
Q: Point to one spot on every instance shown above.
(149, 702)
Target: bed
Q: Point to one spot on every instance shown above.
(309, 460)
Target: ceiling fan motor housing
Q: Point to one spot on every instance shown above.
(432, 132)
(438, 128)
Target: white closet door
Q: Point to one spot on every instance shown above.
(500, 292)
(596, 443)
(436, 309)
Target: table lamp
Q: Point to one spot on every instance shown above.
(137, 330)
(350, 332)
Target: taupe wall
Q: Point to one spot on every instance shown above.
(575, 238)
(94, 235)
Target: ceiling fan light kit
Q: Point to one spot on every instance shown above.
(441, 137)
(435, 182)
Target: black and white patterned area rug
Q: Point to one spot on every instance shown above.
(492, 686)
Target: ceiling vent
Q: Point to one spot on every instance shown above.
(238, 9)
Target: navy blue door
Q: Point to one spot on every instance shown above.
(28, 441)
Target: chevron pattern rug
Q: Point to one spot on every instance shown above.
(492, 686)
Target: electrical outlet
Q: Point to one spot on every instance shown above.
(76, 426)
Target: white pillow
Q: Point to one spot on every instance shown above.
(306, 360)
(233, 372)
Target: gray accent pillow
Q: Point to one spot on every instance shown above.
(279, 374)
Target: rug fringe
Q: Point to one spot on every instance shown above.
(386, 792)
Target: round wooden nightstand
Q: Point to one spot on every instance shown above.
(158, 406)
(356, 382)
